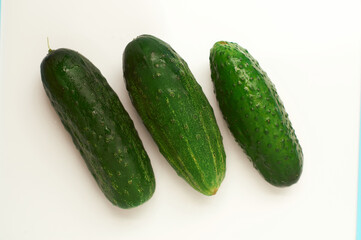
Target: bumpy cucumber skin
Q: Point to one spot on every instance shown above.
(176, 112)
(255, 114)
(100, 127)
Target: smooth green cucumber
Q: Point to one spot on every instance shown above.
(176, 112)
(100, 127)
(255, 114)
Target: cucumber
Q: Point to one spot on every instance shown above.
(100, 127)
(255, 114)
(176, 112)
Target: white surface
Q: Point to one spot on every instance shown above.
(311, 51)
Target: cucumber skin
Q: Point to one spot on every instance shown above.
(255, 114)
(175, 111)
(100, 127)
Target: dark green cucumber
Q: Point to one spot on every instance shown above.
(100, 127)
(255, 114)
(176, 112)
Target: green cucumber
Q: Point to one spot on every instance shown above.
(176, 112)
(100, 127)
(255, 114)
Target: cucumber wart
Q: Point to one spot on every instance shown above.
(176, 112)
(255, 114)
(100, 127)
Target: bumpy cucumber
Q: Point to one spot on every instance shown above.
(176, 112)
(100, 127)
(255, 114)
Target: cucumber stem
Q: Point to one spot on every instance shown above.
(47, 40)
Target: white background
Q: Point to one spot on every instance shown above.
(311, 51)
